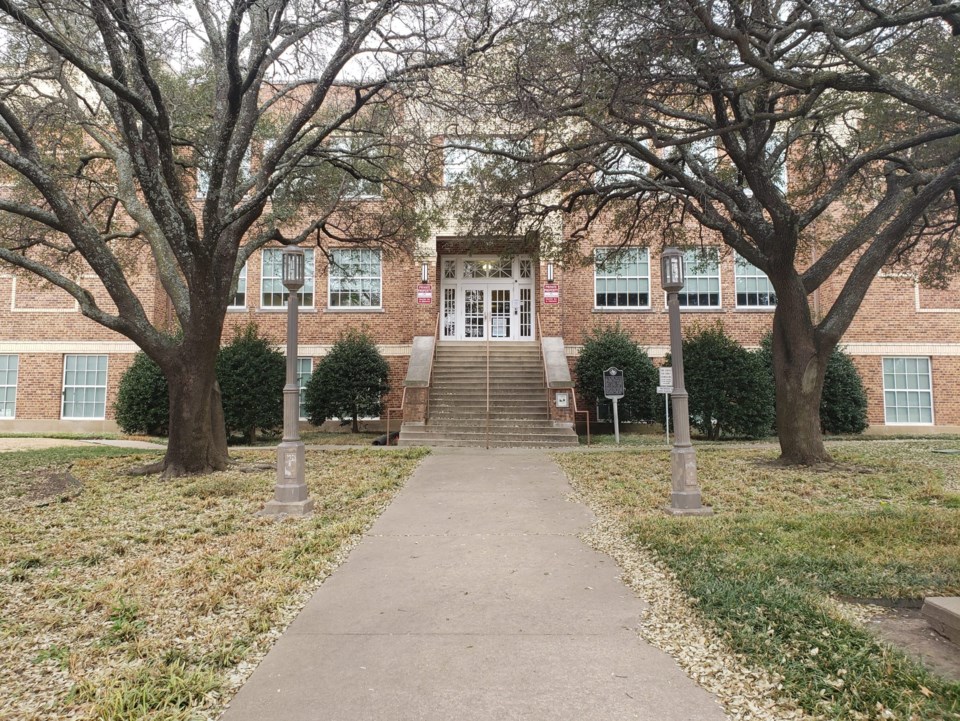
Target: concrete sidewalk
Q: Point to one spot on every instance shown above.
(472, 598)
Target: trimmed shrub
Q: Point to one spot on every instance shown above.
(843, 404)
(251, 375)
(349, 382)
(604, 347)
(729, 387)
(143, 400)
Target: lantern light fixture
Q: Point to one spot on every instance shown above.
(293, 267)
(671, 270)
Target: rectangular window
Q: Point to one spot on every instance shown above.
(907, 391)
(462, 165)
(304, 371)
(240, 297)
(701, 288)
(359, 174)
(9, 368)
(622, 278)
(84, 386)
(754, 289)
(272, 292)
(355, 278)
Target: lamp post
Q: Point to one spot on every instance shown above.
(685, 495)
(290, 497)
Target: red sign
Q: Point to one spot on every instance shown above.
(424, 294)
(551, 293)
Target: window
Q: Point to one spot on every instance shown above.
(84, 386)
(203, 175)
(622, 278)
(240, 297)
(907, 390)
(701, 288)
(304, 371)
(355, 278)
(460, 165)
(350, 152)
(620, 167)
(754, 289)
(9, 366)
(272, 292)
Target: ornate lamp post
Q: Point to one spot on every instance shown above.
(290, 497)
(685, 497)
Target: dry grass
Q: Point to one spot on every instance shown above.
(140, 598)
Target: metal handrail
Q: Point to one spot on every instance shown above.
(546, 385)
(433, 363)
(403, 400)
(489, 324)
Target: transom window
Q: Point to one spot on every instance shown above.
(304, 371)
(754, 289)
(273, 294)
(240, 297)
(355, 278)
(499, 268)
(9, 369)
(907, 390)
(701, 288)
(84, 386)
(622, 278)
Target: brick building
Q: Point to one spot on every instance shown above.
(60, 371)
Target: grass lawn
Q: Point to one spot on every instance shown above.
(129, 597)
(882, 522)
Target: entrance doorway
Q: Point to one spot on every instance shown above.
(487, 296)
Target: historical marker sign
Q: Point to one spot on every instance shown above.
(613, 383)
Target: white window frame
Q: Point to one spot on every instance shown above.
(106, 381)
(739, 263)
(309, 281)
(333, 275)
(616, 277)
(241, 281)
(354, 188)
(203, 176)
(302, 380)
(6, 385)
(689, 263)
(907, 390)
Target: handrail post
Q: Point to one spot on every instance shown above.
(489, 324)
(433, 363)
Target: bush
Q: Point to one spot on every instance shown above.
(605, 347)
(729, 387)
(143, 400)
(349, 382)
(843, 404)
(251, 375)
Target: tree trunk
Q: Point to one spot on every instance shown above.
(198, 440)
(799, 366)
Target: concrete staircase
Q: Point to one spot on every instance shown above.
(519, 415)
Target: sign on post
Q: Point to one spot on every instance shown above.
(613, 389)
(666, 388)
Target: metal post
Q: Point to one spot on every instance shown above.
(666, 408)
(290, 497)
(616, 422)
(685, 496)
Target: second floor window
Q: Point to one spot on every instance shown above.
(465, 165)
(355, 155)
(355, 278)
(622, 278)
(273, 294)
(239, 299)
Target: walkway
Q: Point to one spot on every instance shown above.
(472, 598)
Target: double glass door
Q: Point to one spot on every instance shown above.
(490, 310)
(489, 297)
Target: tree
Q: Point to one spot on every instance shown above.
(349, 382)
(143, 399)
(251, 375)
(818, 141)
(612, 346)
(729, 387)
(115, 116)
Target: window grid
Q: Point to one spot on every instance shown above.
(701, 288)
(754, 289)
(240, 297)
(9, 370)
(304, 371)
(622, 278)
(907, 391)
(272, 292)
(355, 278)
(84, 386)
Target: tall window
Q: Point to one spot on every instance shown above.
(84, 386)
(272, 292)
(240, 297)
(9, 367)
(355, 278)
(304, 371)
(701, 288)
(461, 165)
(622, 278)
(754, 289)
(352, 153)
(907, 390)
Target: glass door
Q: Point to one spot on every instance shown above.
(474, 309)
(500, 313)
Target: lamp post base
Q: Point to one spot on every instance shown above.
(294, 508)
(685, 495)
(687, 506)
(290, 496)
